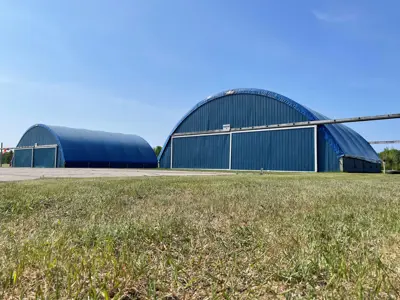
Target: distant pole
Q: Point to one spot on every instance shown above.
(384, 167)
(1, 154)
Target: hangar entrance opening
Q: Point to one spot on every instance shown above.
(290, 149)
(36, 157)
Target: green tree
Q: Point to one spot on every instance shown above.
(7, 157)
(391, 158)
(157, 150)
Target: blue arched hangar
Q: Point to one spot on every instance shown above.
(203, 138)
(55, 146)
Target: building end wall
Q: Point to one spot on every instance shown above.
(354, 165)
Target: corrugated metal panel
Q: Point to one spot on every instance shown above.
(240, 111)
(22, 158)
(201, 152)
(255, 107)
(87, 148)
(278, 150)
(44, 157)
(165, 161)
(327, 158)
(41, 136)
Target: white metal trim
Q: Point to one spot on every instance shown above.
(234, 170)
(45, 147)
(239, 132)
(272, 129)
(316, 148)
(306, 123)
(33, 153)
(230, 151)
(55, 157)
(201, 134)
(172, 152)
(36, 147)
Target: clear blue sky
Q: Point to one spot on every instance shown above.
(138, 66)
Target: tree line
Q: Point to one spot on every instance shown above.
(391, 158)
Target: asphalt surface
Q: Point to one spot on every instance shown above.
(18, 174)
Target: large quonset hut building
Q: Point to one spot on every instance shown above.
(54, 146)
(199, 141)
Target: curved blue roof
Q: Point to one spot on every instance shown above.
(343, 140)
(88, 148)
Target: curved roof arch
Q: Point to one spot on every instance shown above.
(80, 147)
(343, 140)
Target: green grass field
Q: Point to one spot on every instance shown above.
(5, 165)
(243, 236)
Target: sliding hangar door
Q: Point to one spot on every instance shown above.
(229, 131)
(280, 150)
(36, 157)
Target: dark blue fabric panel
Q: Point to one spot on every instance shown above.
(350, 142)
(87, 148)
(328, 161)
(201, 152)
(276, 150)
(103, 148)
(165, 161)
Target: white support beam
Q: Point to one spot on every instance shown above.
(384, 142)
(316, 148)
(230, 151)
(172, 153)
(296, 124)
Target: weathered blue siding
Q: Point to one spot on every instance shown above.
(241, 110)
(254, 107)
(44, 157)
(201, 152)
(22, 158)
(165, 161)
(279, 150)
(328, 160)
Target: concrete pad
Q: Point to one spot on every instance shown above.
(18, 174)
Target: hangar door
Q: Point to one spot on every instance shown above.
(275, 150)
(36, 157)
(23, 158)
(201, 152)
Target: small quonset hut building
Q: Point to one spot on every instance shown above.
(204, 139)
(54, 146)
